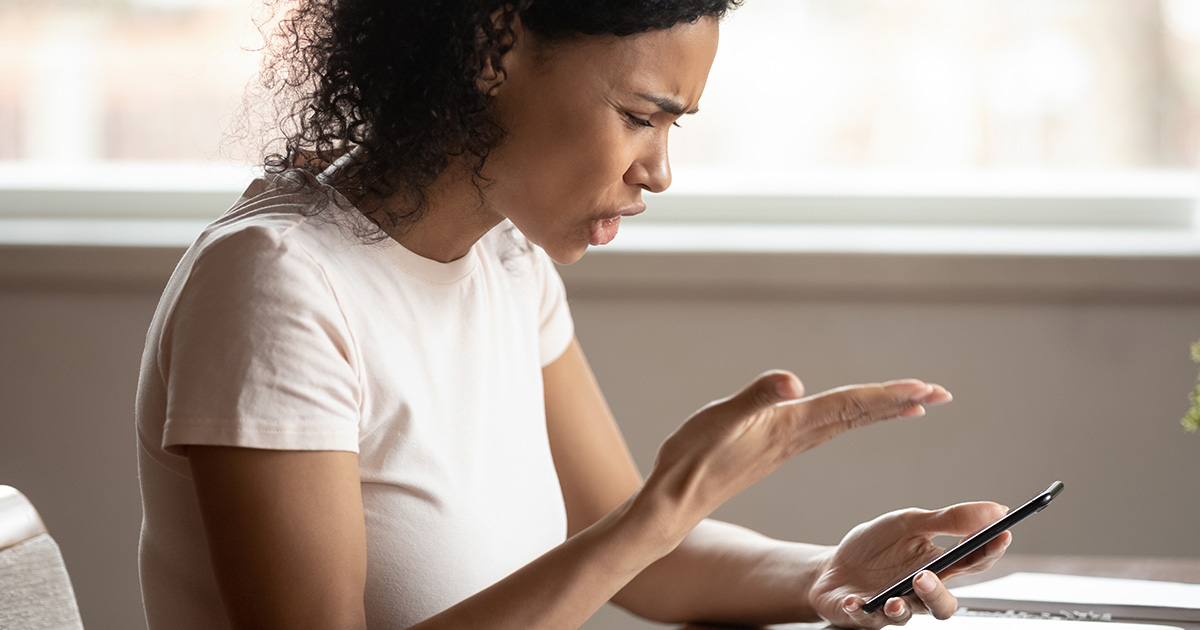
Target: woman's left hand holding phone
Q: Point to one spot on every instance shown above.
(873, 553)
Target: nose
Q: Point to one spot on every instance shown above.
(652, 169)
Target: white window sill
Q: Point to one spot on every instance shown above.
(714, 260)
(1122, 236)
(647, 237)
(965, 241)
(903, 263)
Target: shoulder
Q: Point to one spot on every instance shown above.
(278, 220)
(267, 248)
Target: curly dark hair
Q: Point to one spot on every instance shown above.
(399, 80)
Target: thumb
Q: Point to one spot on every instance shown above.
(770, 388)
(963, 519)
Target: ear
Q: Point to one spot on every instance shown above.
(491, 78)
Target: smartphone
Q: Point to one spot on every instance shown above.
(967, 545)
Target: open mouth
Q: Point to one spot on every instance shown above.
(605, 230)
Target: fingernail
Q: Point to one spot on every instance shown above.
(786, 389)
(942, 395)
(850, 605)
(925, 582)
(922, 393)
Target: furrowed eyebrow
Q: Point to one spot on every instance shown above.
(667, 104)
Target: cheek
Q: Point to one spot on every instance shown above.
(601, 158)
(559, 162)
(583, 162)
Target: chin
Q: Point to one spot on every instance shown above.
(563, 251)
(566, 256)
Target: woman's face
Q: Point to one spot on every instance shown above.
(588, 123)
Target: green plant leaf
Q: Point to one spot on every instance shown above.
(1191, 421)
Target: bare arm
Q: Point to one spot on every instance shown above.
(287, 539)
(725, 573)
(286, 536)
(720, 572)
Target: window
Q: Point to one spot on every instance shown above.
(956, 85)
(1010, 111)
(824, 110)
(105, 81)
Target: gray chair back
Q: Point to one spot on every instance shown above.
(35, 590)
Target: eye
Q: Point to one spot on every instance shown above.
(645, 122)
(638, 122)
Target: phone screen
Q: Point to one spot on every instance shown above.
(967, 545)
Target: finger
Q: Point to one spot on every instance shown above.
(770, 388)
(981, 559)
(934, 595)
(939, 396)
(857, 618)
(963, 519)
(859, 405)
(897, 611)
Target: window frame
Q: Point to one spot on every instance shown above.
(102, 233)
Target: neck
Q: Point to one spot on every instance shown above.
(454, 218)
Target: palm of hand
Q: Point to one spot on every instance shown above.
(876, 554)
(869, 559)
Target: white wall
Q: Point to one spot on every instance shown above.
(1079, 375)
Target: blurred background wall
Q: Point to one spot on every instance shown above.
(1071, 370)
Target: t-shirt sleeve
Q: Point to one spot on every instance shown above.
(557, 329)
(257, 353)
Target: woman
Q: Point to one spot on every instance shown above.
(361, 402)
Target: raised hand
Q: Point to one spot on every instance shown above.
(732, 443)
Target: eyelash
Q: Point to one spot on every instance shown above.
(642, 122)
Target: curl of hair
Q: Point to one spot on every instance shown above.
(399, 81)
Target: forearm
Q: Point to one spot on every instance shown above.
(725, 573)
(565, 586)
(717, 572)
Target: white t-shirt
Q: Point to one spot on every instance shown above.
(282, 331)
